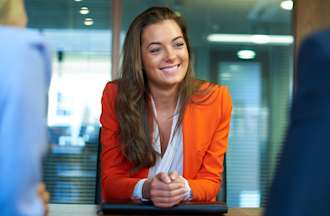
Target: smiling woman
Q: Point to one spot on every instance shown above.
(164, 133)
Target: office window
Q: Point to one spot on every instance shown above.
(79, 35)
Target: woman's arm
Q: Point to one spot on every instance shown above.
(207, 183)
(117, 181)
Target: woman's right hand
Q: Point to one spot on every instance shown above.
(162, 191)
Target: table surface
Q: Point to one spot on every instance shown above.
(90, 210)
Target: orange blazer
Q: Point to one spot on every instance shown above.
(205, 137)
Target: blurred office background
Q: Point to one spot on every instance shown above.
(244, 44)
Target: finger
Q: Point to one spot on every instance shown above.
(162, 205)
(163, 177)
(168, 202)
(173, 175)
(158, 185)
(41, 188)
(175, 185)
(43, 193)
(46, 197)
(46, 210)
(179, 180)
(168, 193)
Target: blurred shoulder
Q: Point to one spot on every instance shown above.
(322, 36)
(24, 47)
(24, 54)
(20, 37)
(317, 42)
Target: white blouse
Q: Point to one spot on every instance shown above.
(172, 159)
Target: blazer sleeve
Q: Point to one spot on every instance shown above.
(207, 183)
(117, 182)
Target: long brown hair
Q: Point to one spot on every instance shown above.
(132, 103)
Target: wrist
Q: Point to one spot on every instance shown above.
(146, 189)
(188, 189)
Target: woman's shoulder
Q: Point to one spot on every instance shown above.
(110, 92)
(212, 86)
(208, 92)
(111, 87)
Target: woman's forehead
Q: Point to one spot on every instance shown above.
(161, 32)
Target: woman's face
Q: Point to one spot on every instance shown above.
(165, 55)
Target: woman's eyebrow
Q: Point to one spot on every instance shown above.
(174, 39)
(159, 43)
(153, 43)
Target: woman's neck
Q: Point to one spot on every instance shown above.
(165, 99)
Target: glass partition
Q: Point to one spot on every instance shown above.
(246, 45)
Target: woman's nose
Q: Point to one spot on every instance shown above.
(170, 55)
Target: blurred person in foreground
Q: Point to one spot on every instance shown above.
(24, 81)
(301, 184)
(164, 132)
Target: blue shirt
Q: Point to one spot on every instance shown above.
(24, 80)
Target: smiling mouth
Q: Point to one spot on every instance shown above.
(170, 69)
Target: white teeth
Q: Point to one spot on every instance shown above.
(170, 69)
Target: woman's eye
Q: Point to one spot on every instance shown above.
(179, 44)
(155, 50)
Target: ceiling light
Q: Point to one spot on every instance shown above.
(260, 39)
(84, 10)
(287, 5)
(246, 54)
(88, 21)
(77, 0)
(251, 39)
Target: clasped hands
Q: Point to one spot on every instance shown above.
(165, 189)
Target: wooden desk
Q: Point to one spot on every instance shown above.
(90, 210)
